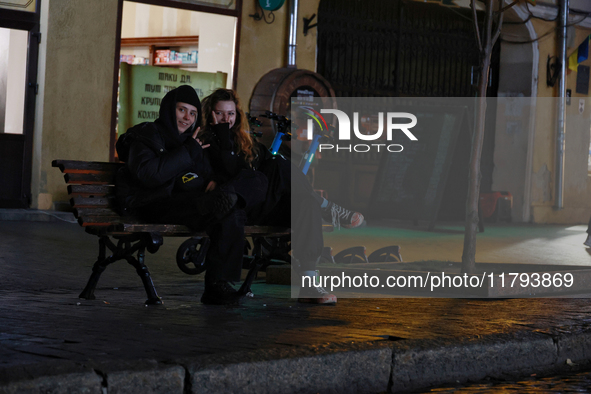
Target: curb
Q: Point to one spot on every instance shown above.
(49, 377)
(382, 366)
(355, 368)
(420, 364)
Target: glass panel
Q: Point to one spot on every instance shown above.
(12, 79)
(19, 5)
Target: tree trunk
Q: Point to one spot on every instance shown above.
(474, 175)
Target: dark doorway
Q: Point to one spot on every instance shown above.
(19, 38)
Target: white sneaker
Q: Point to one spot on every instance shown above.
(338, 216)
(316, 295)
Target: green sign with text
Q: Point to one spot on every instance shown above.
(141, 89)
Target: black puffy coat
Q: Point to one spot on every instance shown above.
(159, 157)
(224, 157)
(277, 170)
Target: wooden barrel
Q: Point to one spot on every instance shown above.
(275, 89)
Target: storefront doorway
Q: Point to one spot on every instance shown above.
(19, 39)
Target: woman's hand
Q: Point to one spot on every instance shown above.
(198, 140)
(211, 186)
(222, 132)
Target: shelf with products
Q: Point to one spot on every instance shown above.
(163, 51)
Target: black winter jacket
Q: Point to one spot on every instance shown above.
(159, 160)
(224, 158)
(155, 166)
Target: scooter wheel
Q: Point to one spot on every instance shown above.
(190, 257)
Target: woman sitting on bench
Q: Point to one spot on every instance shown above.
(168, 179)
(232, 150)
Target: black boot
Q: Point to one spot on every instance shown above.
(220, 292)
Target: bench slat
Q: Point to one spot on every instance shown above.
(164, 229)
(104, 224)
(99, 220)
(93, 202)
(77, 165)
(91, 190)
(78, 212)
(174, 230)
(99, 178)
(177, 229)
(267, 230)
(127, 229)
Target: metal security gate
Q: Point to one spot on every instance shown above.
(397, 48)
(404, 48)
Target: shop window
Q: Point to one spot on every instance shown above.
(164, 47)
(12, 79)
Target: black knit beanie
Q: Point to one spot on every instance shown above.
(186, 94)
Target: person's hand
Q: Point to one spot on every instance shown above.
(201, 143)
(198, 140)
(223, 132)
(197, 130)
(210, 186)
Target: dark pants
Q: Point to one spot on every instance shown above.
(224, 256)
(292, 202)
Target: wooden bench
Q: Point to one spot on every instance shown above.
(91, 187)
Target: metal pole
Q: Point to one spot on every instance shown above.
(293, 31)
(559, 183)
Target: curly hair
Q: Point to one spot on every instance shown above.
(241, 129)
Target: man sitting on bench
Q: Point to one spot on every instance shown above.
(168, 179)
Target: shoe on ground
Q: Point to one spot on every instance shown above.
(220, 293)
(340, 216)
(587, 242)
(316, 295)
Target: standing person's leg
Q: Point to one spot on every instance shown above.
(307, 239)
(307, 242)
(331, 212)
(285, 177)
(588, 240)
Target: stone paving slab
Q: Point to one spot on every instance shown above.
(51, 340)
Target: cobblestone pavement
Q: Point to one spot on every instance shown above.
(44, 266)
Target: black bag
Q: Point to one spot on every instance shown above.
(125, 140)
